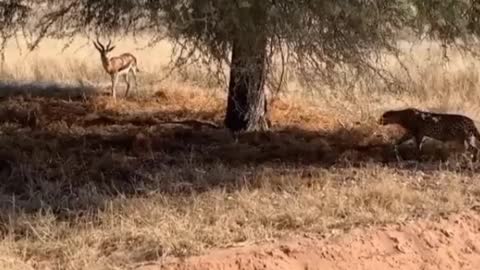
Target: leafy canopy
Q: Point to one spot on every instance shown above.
(313, 36)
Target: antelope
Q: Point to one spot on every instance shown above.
(117, 65)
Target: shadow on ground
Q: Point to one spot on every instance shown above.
(71, 156)
(46, 89)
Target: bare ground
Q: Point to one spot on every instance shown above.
(440, 243)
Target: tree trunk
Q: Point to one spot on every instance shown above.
(247, 104)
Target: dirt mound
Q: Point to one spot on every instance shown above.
(450, 243)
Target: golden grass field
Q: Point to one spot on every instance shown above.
(90, 183)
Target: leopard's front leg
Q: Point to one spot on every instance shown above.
(403, 139)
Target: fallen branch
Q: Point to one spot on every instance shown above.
(193, 123)
(147, 121)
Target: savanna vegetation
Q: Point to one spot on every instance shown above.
(89, 182)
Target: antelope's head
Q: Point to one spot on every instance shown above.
(102, 49)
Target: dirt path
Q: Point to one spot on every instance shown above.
(450, 243)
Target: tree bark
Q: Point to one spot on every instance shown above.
(247, 103)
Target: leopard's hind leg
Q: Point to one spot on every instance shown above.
(472, 146)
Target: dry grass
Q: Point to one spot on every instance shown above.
(87, 182)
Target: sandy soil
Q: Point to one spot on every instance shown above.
(448, 243)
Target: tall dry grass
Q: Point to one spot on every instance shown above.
(427, 81)
(78, 195)
(79, 63)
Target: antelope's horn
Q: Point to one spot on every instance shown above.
(100, 44)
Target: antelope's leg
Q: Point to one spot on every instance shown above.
(134, 74)
(127, 81)
(114, 85)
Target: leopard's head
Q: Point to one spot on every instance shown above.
(396, 116)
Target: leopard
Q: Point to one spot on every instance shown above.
(444, 127)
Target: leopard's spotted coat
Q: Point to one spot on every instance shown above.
(440, 126)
